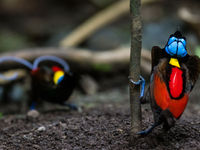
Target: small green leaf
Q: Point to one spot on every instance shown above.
(197, 51)
(1, 115)
(102, 67)
(12, 41)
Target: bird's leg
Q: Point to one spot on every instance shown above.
(33, 104)
(168, 120)
(33, 101)
(139, 82)
(147, 131)
(146, 97)
(71, 106)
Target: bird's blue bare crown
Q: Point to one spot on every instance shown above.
(176, 45)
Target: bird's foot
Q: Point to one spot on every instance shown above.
(141, 82)
(146, 132)
(149, 130)
(71, 106)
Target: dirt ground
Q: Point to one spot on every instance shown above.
(104, 123)
(104, 126)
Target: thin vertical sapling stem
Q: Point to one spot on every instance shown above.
(136, 26)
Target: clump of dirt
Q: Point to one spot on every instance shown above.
(103, 127)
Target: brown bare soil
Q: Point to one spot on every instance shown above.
(103, 127)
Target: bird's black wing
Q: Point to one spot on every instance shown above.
(156, 54)
(193, 66)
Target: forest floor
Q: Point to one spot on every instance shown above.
(104, 123)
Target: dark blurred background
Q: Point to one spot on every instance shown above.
(45, 23)
(37, 23)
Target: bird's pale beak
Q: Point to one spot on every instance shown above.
(174, 62)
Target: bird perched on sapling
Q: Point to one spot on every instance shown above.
(173, 76)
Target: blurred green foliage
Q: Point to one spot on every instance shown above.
(102, 67)
(101, 3)
(1, 115)
(197, 51)
(10, 41)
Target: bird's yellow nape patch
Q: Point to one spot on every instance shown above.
(174, 62)
(57, 76)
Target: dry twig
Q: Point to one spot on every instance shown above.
(97, 21)
(81, 58)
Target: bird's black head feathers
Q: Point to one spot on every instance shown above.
(178, 34)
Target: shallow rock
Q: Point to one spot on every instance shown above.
(33, 114)
(42, 128)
